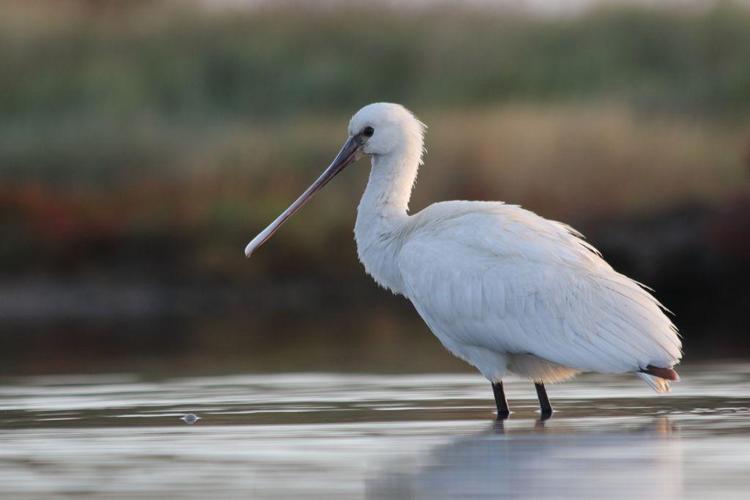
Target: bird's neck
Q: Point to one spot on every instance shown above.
(389, 188)
(383, 213)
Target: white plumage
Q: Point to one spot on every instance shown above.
(505, 289)
(501, 287)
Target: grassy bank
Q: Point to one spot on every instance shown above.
(283, 61)
(143, 132)
(572, 163)
(97, 94)
(141, 146)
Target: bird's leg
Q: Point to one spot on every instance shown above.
(503, 411)
(544, 405)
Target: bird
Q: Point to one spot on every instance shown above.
(502, 288)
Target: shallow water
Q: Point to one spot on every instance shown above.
(373, 436)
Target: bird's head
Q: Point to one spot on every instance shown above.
(383, 128)
(378, 129)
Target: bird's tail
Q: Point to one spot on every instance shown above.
(659, 379)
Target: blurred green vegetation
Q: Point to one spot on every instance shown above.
(271, 63)
(126, 125)
(92, 95)
(147, 141)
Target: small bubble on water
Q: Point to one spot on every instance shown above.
(190, 418)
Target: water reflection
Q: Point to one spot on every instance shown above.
(377, 436)
(546, 460)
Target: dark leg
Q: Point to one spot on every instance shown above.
(503, 411)
(544, 405)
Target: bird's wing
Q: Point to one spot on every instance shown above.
(507, 280)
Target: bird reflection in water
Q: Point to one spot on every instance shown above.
(543, 460)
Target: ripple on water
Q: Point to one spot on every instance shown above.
(327, 435)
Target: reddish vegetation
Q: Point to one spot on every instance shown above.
(56, 217)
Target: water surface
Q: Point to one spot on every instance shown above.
(373, 436)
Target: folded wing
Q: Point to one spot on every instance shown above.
(504, 279)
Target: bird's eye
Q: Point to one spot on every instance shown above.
(368, 131)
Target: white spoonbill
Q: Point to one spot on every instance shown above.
(501, 287)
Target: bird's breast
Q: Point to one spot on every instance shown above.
(378, 245)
